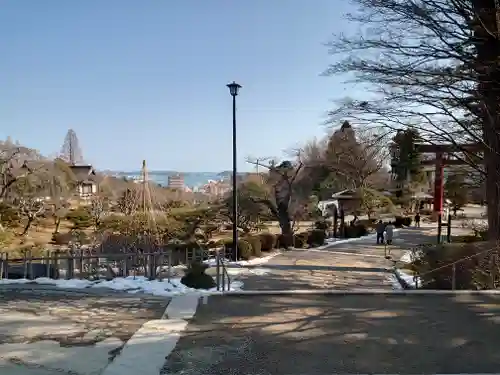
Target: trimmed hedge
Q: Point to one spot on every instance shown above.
(316, 237)
(256, 245)
(300, 240)
(195, 277)
(401, 221)
(245, 250)
(356, 231)
(80, 218)
(268, 241)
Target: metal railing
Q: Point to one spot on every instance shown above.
(222, 274)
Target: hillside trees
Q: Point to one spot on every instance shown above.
(30, 192)
(282, 195)
(251, 207)
(12, 169)
(349, 159)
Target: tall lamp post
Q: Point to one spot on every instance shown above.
(233, 90)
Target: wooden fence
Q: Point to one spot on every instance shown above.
(94, 265)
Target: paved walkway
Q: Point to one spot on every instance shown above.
(45, 331)
(318, 334)
(351, 265)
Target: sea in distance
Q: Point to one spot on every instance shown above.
(191, 179)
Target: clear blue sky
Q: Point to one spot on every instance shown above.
(146, 79)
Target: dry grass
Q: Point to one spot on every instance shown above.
(39, 235)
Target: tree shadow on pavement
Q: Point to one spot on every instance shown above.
(324, 334)
(46, 331)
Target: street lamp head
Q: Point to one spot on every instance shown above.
(233, 88)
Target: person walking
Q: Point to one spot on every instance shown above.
(380, 228)
(389, 232)
(417, 220)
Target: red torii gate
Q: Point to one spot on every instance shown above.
(440, 161)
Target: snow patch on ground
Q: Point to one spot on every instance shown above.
(138, 284)
(168, 288)
(337, 241)
(407, 278)
(393, 280)
(212, 262)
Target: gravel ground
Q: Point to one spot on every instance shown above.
(45, 331)
(313, 334)
(72, 318)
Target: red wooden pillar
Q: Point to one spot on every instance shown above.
(439, 184)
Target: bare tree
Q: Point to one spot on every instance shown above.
(30, 194)
(98, 208)
(12, 169)
(128, 203)
(431, 64)
(415, 59)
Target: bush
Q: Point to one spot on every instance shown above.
(398, 222)
(300, 240)
(407, 221)
(356, 231)
(367, 223)
(316, 237)
(80, 218)
(9, 217)
(245, 249)
(6, 238)
(256, 245)
(323, 224)
(62, 238)
(361, 230)
(268, 241)
(195, 277)
(434, 265)
(284, 242)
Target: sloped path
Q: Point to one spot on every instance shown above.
(352, 265)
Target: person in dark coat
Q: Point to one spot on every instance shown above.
(380, 228)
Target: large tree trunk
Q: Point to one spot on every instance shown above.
(284, 221)
(488, 52)
(57, 224)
